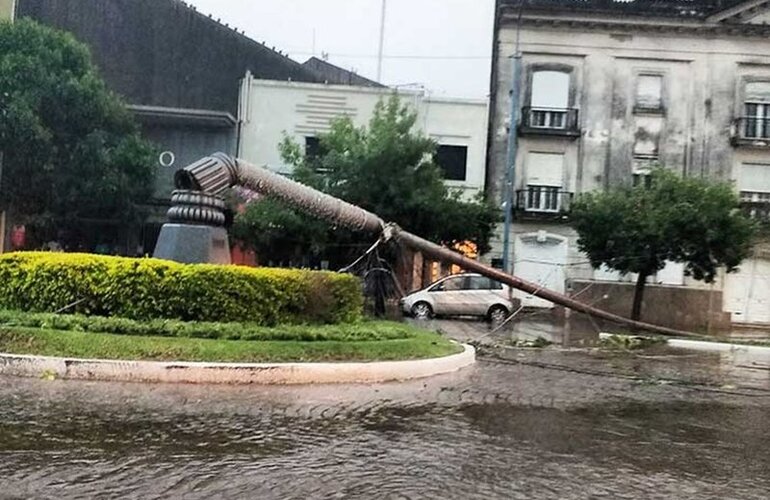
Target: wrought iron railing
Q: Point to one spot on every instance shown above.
(753, 128)
(756, 205)
(550, 120)
(543, 200)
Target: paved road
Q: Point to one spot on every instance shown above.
(528, 424)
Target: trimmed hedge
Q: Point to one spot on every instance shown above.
(144, 289)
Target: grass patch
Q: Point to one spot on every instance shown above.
(417, 344)
(344, 332)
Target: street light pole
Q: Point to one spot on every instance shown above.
(510, 171)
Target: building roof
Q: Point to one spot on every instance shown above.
(331, 73)
(165, 53)
(679, 9)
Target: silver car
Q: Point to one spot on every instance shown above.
(460, 295)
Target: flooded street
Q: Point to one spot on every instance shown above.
(522, 423)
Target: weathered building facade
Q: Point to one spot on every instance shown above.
(607, 90)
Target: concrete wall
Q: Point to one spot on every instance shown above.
(182, 145)
(7, 8)
(683, 308)
(270, 110)
(458, 122)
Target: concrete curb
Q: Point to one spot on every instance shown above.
(232, 373)
(700, 345)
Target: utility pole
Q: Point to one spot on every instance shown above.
(382, 40)
(2, 212)
(7, 11)
(510, 171)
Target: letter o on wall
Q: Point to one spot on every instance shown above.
(167, 159)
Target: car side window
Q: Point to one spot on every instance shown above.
(479, 283)
(450, 285)
(483, 283)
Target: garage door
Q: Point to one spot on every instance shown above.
(540, 258)
(747, 292)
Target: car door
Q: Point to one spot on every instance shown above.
(450, 296)
(483, 293)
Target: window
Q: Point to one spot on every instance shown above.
(453, 161)
(649, 92)
(313, 152)
(754, 181)
(550, 89)
(756, 123)
(643, 165)
(550, 100)
(544, 182)
(451, 285)
(754, 186)
(484, 283)
(312, 147)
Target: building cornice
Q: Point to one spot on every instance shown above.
(646, 25)
(180, 116)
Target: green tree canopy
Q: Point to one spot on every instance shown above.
(386, 168)
(71, 149)
(680, 219)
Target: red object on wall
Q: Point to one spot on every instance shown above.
(18, 237)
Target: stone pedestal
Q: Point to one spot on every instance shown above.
(195, 233)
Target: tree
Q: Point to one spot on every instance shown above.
(387, 169)
(71, 149)
(680, 219)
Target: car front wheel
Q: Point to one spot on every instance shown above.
(422, 310)
(498, 314)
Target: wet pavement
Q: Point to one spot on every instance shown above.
(522, 423)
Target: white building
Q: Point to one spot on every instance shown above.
(609, 89)
(269, 110)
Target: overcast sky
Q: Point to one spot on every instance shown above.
(444, 45)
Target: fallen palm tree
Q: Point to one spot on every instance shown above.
(217, 173)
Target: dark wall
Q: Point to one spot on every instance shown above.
(187, 144)
(164, 53)
(330, 73)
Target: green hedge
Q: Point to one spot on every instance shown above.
(146, 289)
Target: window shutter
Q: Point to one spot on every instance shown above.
(754, 177)
(550, 89)
(758, 92)
(545, 169)
(649, 89)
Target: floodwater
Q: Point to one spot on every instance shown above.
(530, 424)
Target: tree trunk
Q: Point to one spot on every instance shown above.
(636, 311)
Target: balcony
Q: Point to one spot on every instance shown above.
(558, 122)
(756, 205)
(543, 202)
(751, 131)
